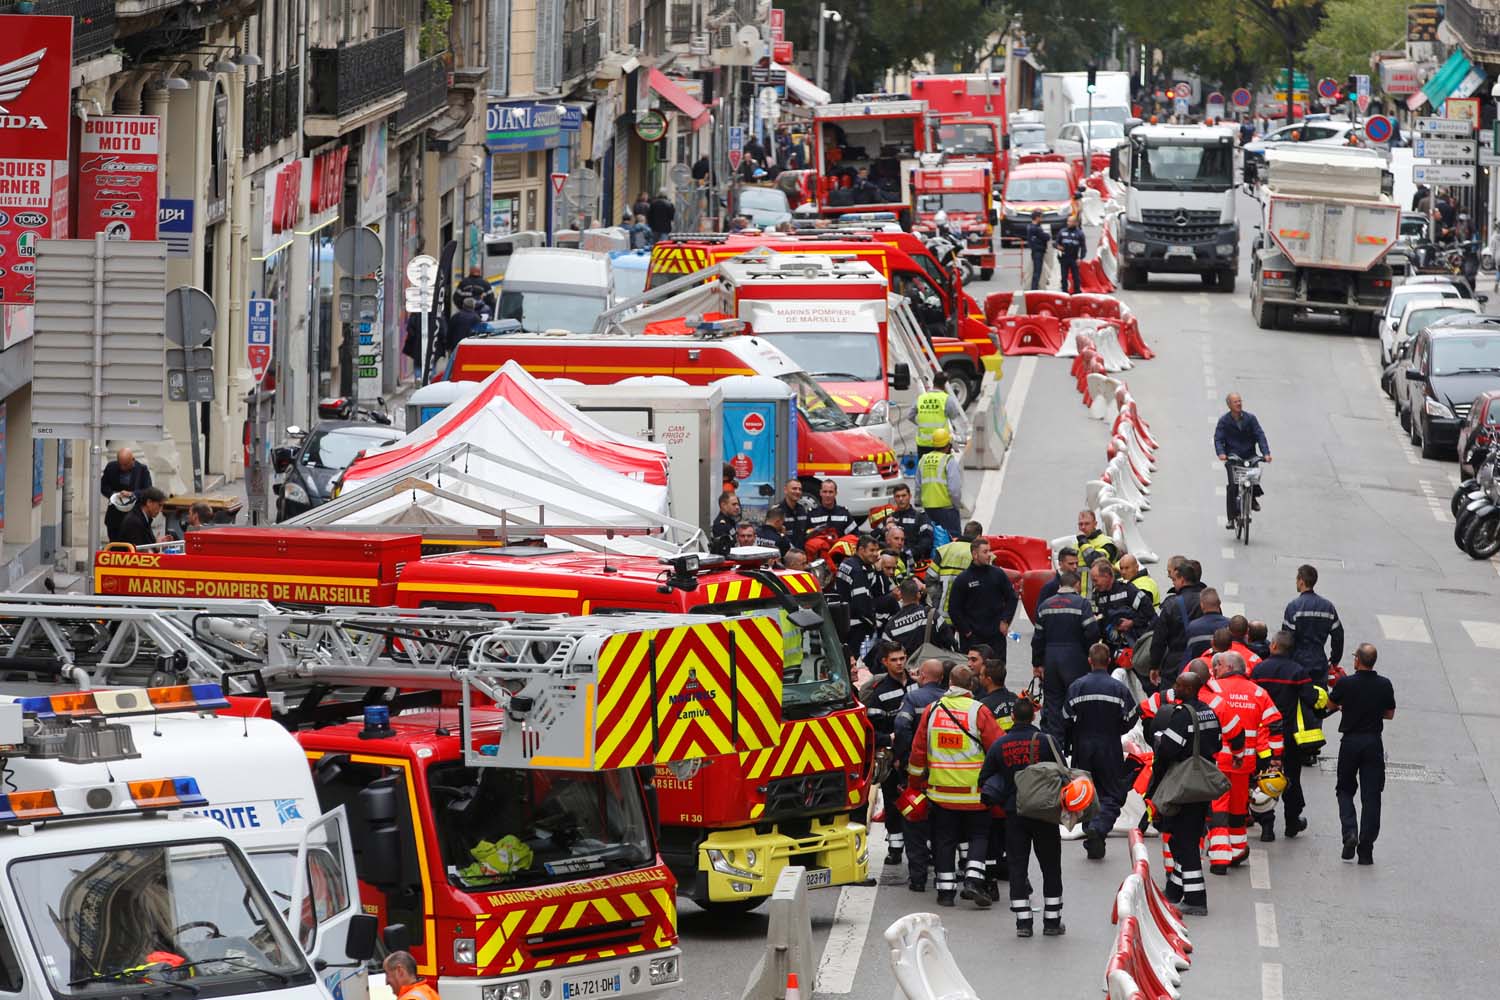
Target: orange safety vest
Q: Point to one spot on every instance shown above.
(419, 991)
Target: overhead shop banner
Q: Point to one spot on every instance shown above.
(36, 64)
(1443, 83)
(118, 158)
(522, 127)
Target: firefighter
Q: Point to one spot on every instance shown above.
(829, 513)
(1037, 238)
(882, 697)
(912, 521)
(950, 560)
(1124, 613)
(1366, 700)
(1071, 248)
(1065, 629)
(1178, 609)
(1174, 742)
(1134, 574)
(1097, 711)
(940, 479)
(1092, 539)
(1223, 642)
(1067, 562)
(1314, 623)
(772, 531)
(983, 602)
(946, 754)
(908, 625)
(853, 585)
(1017, 750)
(795, 511)
(1260, 721)
(1295, 696)
(995, 696)
(934, 411)
(721, 532)
(928, 689)
(1199, 637)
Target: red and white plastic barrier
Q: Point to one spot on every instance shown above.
(1151, 947)
(1020, 335)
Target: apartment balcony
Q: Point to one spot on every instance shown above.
(1477, 22)
(355, 84)
(581, 50)
(426, 86)
(93, 23)
(271, 109)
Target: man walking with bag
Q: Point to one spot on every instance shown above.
(1185, 780)
(1097, 712)
(1022, 747)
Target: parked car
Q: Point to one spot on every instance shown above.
(1103, 136)
(765, 207)
(1403, 298)
(1451, 363)
(312, 466)
(1481, 427)
(1027, 138)
(1047, 186)
(1314, 133)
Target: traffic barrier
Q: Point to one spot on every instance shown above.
(1081, 363)
(789, 950)
(1051, 270)
(1112, 520)
(1091, 208)
(1132, 952)
(1138, 470)
(1093, 277)
(1077, 331)
(1109, 261)
(1130, 410)
(1045, 302)
(1117, 474)
(922, 962)
(1168, 918)
(1093, 304)
(992, 432)
(1122, 987)
(1101, 394)
(1098, 494)
(1108, 340)
(1092, 365)
(997, 304)
(1041, 334)
(1131, 340)
(1164, 957)
(1139, 458)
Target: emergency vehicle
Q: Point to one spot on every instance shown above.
(828, 443)
(963, 197)
(883, 135)
(115, 888)
(1044, 183)
(954, 324)
(972, 121)
(729, 827)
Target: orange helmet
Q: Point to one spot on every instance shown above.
(1077, 795)
(913, 805)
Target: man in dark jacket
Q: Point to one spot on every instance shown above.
(1037, 239)
(911, 520)
(854, 583)
(1065, 629)
(474, 286)
(1178, 609)
(1071, 248)
(882, 697)
(928, 689)
(135, 528)
(1238, 435)
(829, 513)
(1067, 562)
(1125, 613)
(661, 214)
(982, 601)
(795, 511)
(721, 531)
(1286, 681)
(1200, 631)
(1174, 742)
(1006, 758)
(1314, 623)
(463, 323)
(1098, 710)
(124, 477)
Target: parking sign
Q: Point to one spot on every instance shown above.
(259, 333)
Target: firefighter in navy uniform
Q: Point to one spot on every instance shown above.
(1017, 750)
(1174, 743)
(1314, 623)
(982, 602)
(1037, 238)
(1097, 711)
(1065, 629)
(721, 532)
(912, 521)
(1124, 612)
(882, 698)
(1071, 248)
(854, 584)
(909, 623)
(795, 511)
(1295, 696)
(928, 689)
(829, 513)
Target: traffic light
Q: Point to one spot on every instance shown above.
(1093, 77)
(1351, 86)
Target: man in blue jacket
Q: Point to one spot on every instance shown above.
(1238, 435)
(1037, 239)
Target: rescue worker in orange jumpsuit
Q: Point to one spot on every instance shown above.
(1229, 815)
(401, 976)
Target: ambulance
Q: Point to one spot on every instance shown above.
(829, 444)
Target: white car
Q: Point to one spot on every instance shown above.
(1401, 296)
(1103, 137)
(1315, 133)
(1422, 312)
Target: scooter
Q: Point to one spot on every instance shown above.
(1477, 527)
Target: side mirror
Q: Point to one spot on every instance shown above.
(901, 377)
(1481, 299)
(1251, 170)
(1415, 375)
(1114, 164)
(396, 937)
(359, 942)
(994, 217)
(281, 459)
(380, 847)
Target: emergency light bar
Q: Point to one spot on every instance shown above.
(118, 702)
(116, 798)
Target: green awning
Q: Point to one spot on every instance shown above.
(1446, 79)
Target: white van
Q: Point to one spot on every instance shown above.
(550, 288)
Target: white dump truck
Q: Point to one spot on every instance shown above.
(1328, 222)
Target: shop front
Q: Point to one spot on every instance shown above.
(521, 138)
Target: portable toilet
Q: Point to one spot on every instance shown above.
(759, 432)
(430, 400)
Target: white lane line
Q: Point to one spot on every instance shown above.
(1218, 492)
(1227, 552)
(1270, 981)
(1485, 634)
(1260, 870)
(988, 500)
(1399, 628)
(1265, 925)
(846, 939)
(1229, 588)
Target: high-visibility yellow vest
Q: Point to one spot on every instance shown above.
(949, 561)
(932, 415)
(1145, 583)
(931, 469)
(953, 756)
(1309, 732)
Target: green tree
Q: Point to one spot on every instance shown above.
(1351, 30)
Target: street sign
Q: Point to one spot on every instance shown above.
(422, 272)
(1242, 97)
(1453, 174)
(1378, 129)
(1180, 107)
(558, 180)
(1444, 126)
(190, 317)
(736, 146)
(1328, 89)
(778, 24)
(1183, 90)
(260, 327)
(190, 376)
(1445, 149)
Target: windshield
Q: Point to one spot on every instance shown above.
(831, 355)
(1421, 319)
(1399, 302)
(1032, 135)
(1036, 189)
(337, 447)
(1413, 226)
(1102, 129)
(514, 827)
(1182, 167)
(815, 674)
(1456, 355)
(538, 311)
(951, 201)
(967, 138)
(629, 282)
(119, 921)
(815, 405)
(763, 199)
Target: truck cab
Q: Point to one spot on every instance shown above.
(962, 198)
(1179, 218)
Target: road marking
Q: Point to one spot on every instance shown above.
(1229, 588)
(1270, 981)
(1399, 628)
(1260, 870)
(1265, 925)
(1227, 552)
(1231, 608)
(990, 483)
(1218, 491)
(846, 939)
(1485, 634)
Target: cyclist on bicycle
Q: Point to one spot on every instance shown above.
(1238, 436)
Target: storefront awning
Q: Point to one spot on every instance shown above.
(804, 89)
(1446, 80)
(677, 97)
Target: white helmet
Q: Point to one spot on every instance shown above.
(1260, 802)
(124, 503)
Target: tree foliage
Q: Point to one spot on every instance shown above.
(1351, 30)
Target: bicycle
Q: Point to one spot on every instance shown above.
(1246, 472)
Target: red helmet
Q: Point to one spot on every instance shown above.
(913, 805)
(1077, 795)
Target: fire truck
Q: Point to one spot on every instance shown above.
(971, 116)
(491, 767)
(882, 136)
(954, 324)
(729, 827)
(964, 197)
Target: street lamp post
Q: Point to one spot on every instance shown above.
(824, 16)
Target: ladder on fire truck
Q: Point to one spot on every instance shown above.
(576, 693)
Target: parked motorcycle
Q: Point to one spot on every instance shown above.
(1476, 509)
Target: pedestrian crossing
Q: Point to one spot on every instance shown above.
(1405, 628)
(1486, 635)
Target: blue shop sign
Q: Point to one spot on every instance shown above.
(572, 118)
(522, 127)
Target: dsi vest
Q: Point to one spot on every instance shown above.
(954, 756)
(935, 495)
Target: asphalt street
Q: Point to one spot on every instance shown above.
(1346, 493)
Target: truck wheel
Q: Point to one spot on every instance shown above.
(1226, 282)
(1132, 277)
(962, 383)
(986, 273)
(1265, 313)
